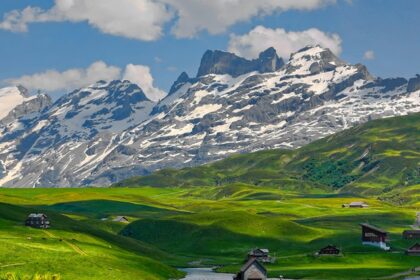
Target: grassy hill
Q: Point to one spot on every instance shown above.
(370, 159)
(206, 226)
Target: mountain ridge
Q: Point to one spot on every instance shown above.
(110, 131)
(374, 158)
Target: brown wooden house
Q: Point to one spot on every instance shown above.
(37, 220)
(252, 270)
(329, 250)
(411, 234)
(374, 236)
(413, 250)
(262, 255)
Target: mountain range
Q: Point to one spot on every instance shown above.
(110, 131)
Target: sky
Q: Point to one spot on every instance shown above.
(60, 45)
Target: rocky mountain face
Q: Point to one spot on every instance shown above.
(218, 62)
(110, 131)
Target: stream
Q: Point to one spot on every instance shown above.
(205, 274)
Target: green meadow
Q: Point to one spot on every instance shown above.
(204, 226)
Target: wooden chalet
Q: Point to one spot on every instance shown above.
(262, 255)
(413, 250)
(374, 236)
(120, 219)
(411, 234)
(252, 270)
(329, 250)
(37, 220)
(356, 204)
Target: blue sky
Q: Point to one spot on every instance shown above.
(387, 28)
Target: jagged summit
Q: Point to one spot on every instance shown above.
(220, 62)
(110, 131)
(180, 81)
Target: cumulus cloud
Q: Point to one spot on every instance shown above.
(285, 42)
(53, 81)
(141, 75)
(138, 19)
(369, 55)
(216, 16)
(146, 19)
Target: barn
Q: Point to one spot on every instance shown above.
(374, 236)
(252, 270)
(37, 220)
(413, 250)
(329, 250)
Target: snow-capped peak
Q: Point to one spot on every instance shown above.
(10, 97)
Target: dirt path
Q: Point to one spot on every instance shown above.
(12, 264)
(71, 245)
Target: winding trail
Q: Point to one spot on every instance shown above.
(71, 245)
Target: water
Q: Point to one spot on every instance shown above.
(205, 274)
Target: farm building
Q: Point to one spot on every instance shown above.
(37, 220)
(262, 255)
(413, 250)
(329, 250)
(252, 270)
(357, 204)
(374, 236)
(411, 234)
(120, 219)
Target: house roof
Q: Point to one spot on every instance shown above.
(329, 246)
(250, 262)
(36, 215)
(358, 203)
(373, 228)
(415, 248)
(120, 218)
(411, 231)
(259, 249)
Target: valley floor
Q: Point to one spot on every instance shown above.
(186, 227)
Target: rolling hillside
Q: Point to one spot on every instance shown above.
(201, 226)
(369, 159)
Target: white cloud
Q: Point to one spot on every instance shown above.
(138, 19)
(53, 81)
(146, 19)
(141, 75)
(216, 16)
(369, 55)
(285, 42)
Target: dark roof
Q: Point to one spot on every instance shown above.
(415, 248)
(411, 231)
(250, 262)
(329, 246)
(373, 228)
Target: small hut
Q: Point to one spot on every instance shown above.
(120, 219)
(358, 204)
(37, 220)
(252, 270)
(413, 250)
(374, 236)
(411, 234)
(262, 255)
(329, 250)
